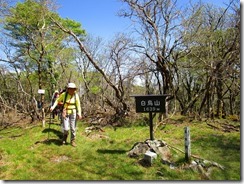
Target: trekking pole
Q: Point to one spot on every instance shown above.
(49, 125)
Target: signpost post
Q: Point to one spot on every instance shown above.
(150, 104)
(42, 92)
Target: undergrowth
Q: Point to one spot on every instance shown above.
(34, 152)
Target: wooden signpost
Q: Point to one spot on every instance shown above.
(150, 104)
(42, 92)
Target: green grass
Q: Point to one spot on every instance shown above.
(26, 154)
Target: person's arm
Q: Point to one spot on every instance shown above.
(59, 99)
(77, 102)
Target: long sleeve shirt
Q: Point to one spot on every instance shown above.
(72, 103)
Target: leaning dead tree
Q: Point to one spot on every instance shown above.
(121, 107)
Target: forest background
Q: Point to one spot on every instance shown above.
(191, 53)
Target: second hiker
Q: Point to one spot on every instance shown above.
(71, 111)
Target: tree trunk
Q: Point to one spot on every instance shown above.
(219, 89)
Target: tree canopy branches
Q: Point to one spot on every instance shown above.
(192, 54)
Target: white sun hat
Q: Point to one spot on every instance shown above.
(71, 85)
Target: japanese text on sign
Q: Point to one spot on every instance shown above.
(150, 103)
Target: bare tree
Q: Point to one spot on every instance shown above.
(117, 86)
(157, 24)
(212, 46)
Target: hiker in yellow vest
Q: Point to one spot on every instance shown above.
(71, 111)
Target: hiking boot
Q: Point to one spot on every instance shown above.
(73, 143)
(64, 140)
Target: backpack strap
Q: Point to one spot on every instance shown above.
(65, 97)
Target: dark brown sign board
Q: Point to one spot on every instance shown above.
(150, 103)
